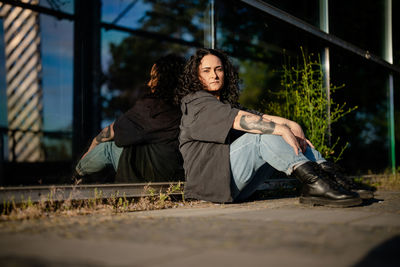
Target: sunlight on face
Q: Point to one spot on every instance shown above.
(211, 73)
(153, 78)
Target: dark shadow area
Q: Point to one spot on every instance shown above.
(36, 173)
(368, 202)
(385, 254)
(48, 173)
(12, 261)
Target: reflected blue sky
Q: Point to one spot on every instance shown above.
(57, 59)
(3, 95)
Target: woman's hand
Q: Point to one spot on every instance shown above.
(107, 134)
(288, 136)
(297, 131)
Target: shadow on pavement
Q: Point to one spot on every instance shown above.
(385, 254)
(368, 202)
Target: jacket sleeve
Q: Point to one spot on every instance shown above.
(207, 119)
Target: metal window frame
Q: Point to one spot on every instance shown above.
(329, 38)
(105, 25)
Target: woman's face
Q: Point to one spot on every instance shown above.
(211, 73)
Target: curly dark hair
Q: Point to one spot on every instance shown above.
(190, 81)
(168, 70)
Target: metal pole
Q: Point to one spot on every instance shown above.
(388, 56)
(86, 119)
(212, 22)
(209, 33)
(324, 26)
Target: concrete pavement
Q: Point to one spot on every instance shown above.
(274, 232)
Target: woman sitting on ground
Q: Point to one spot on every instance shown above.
(229, 151)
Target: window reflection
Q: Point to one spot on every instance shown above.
(306, 10)
(127, 59)
(261, 43)
(59, 5)
(366, 129)
(37, 64)
(358, 22)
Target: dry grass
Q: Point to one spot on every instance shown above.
(10, 211)
(384, 182)
(98, 205)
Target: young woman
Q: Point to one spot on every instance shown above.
(142, 144)
(229, 151)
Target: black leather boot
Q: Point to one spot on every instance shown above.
(317, 190)
(335, 173)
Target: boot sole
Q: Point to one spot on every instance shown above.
(365, 194)
(319, 201)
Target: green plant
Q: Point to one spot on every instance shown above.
(304, 100)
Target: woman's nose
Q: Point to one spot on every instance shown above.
(215, 75)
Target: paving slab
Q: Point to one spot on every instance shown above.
(272, 232)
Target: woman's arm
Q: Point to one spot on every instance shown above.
(248, 122)
(107, 134)
(294, 127)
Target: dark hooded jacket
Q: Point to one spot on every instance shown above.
(148, 133)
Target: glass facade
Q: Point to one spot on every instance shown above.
(67, 69)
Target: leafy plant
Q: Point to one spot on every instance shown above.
(304, 100)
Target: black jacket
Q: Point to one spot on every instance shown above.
(149, 134)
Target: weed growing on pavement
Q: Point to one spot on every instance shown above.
(386, 182)
(116, 203)
(303, 99)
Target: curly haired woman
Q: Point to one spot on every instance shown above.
(229, 151)
(142, 144)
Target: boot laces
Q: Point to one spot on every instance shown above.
(337, 173)
(323, 176)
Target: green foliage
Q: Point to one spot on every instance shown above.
(132, 58)
(304, 100)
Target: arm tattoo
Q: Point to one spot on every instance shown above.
(254, 122)
(104, 135)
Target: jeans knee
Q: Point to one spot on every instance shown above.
(246, 141)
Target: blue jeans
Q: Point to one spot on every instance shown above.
(254, 157)
(99, 157)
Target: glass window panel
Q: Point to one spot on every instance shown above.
(3, 95)
(258, 43)
(59, 5)
(126, 63)
(126, 13)
(306, 10)
(178, 19)
(57, 61)
(127, 59)
(366, 129)
(396, 101)
(36, 80)
(3, 98)
(358, 22)
(395, 32)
